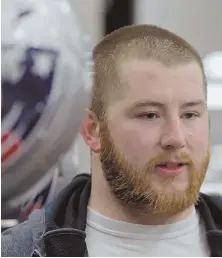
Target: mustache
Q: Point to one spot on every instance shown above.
(168, 157)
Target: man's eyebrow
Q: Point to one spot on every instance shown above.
(146, 103)
(200, 102)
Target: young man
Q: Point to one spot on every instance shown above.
(148, 131)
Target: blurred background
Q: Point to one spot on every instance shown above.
(199, 22)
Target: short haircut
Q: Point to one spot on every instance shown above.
(136, 41)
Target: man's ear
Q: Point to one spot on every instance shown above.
(90, 131)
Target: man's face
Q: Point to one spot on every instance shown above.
(155, 142)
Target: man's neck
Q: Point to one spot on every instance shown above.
(105, 202)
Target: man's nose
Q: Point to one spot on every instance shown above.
(173, 136)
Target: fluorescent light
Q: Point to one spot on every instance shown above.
(213, 65)
(214, 96)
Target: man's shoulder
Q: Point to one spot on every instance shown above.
(210, 207)
(23, 239)
(213, 200)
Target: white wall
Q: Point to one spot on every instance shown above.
(197, 21)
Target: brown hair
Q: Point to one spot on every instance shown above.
(136, 41)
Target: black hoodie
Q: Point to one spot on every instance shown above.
(59, 230)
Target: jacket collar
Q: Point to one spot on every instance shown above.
(65, 220)
(210, 210)
(69, 210)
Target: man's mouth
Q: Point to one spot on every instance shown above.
(170, 168)
(171, 164)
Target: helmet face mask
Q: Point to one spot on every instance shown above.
(46, 85)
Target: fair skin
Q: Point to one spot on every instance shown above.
(164, 108)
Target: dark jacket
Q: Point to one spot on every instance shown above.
(59, 230)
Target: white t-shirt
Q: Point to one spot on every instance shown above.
(107, 237)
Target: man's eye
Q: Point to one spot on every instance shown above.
(149, 116)
(190, 115)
